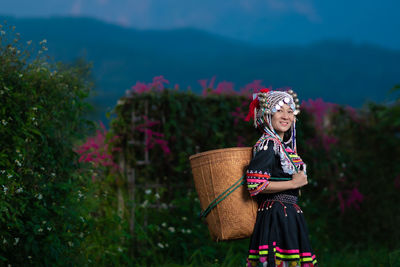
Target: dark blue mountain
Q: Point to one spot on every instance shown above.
(337, 71)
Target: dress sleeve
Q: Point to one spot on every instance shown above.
(259, 170)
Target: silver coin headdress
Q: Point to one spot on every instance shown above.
(265, 103)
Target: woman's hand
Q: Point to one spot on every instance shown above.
(299, 179)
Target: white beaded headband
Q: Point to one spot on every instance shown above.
(272, 101)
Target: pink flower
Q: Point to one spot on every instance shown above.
(153, 138)
(321, 112)
(355, 198)
(239, 114)
(140, 87)
(350, 199)
(319, 109)
(353, 113)
(251, 88)
(203, 84)
(157, 84)
(224, 88)
(206, 87)
(96, 149)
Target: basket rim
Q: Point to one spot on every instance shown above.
(220, 150)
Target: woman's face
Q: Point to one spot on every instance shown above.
(282, 120)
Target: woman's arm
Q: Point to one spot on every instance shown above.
(298, 180)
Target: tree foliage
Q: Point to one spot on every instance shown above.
(42, 219)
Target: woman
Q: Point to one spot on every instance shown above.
(274, 176)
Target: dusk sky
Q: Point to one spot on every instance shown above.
(256, 21)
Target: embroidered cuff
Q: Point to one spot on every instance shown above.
(257, 181)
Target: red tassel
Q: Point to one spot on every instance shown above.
(254, 104)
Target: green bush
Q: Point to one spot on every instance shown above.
(42, 218)
(167, 228)
(355, 179)
(350, 156)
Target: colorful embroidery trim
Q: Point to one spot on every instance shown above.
(256, 181)
(282, 254)
(294, 157)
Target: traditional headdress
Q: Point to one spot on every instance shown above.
(265, 103)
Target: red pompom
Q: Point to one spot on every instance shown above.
(264, 90)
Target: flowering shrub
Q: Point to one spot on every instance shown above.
(156, 85)
(343, 169)
(354, 174)
(98, 151)
(354, 199)
(42, 217)
(172, 125)
(321, 113)
(227, 88)
(252, 87)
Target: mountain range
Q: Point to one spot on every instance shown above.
(335, 70)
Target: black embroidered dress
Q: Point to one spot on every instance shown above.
(280, 236)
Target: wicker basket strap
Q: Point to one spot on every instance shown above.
(230, 190)
(279, 179)
(222, 196)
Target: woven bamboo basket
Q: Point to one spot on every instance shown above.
(214, 172)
